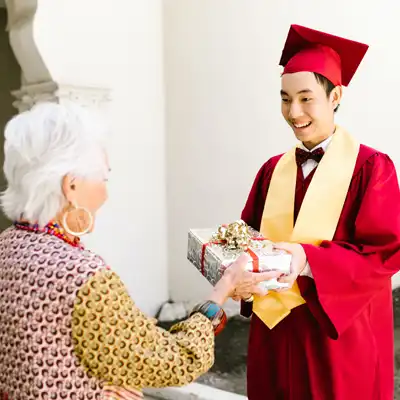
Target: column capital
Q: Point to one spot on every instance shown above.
(29, 95)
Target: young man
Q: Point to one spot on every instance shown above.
(335, 206)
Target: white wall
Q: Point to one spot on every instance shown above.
(223, 103)
(135, 219)
(119, 46)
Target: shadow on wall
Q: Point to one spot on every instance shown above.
(10, 79)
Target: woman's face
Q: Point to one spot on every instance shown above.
(84, 196)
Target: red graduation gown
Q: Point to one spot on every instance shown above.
(339, 345)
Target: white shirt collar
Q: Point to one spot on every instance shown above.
(324, 145)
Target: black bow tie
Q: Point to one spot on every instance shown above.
(302, 155)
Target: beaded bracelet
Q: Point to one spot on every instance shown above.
(214, 313)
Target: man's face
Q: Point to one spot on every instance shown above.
(307, 108)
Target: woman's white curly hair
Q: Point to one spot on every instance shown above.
(42, 146)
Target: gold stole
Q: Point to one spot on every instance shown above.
(318, 217)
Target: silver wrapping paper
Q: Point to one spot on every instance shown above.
(218, 258)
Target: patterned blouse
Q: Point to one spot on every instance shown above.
(68, 327)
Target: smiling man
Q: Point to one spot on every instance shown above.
(335, 205)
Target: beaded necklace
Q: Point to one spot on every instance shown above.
(52, 228)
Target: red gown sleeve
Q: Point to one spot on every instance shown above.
(348, 275)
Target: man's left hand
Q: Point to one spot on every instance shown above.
(299, 261)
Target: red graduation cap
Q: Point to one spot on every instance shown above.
(333, 57)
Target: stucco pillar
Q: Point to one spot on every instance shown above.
(39, 49)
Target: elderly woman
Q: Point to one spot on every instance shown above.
(68, 327)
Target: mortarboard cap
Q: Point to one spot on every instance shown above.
(333, 57)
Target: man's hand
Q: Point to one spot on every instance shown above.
(299, 261)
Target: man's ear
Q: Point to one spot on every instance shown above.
(336, 96)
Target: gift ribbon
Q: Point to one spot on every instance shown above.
(203, 253)
(253, 255)
(256, 263)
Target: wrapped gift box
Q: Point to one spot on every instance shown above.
(212, 251)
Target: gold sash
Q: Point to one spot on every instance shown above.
(318, 217)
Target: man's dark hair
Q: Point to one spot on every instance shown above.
(327, 85)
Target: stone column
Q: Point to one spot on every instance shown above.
(41, 76)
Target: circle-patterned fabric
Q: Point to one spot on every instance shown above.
(118, 343)
(40, 276)
(68, 326)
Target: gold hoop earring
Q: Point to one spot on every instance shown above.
(68, 229)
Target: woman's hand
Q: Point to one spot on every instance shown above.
(239, 283)
(119, 393)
